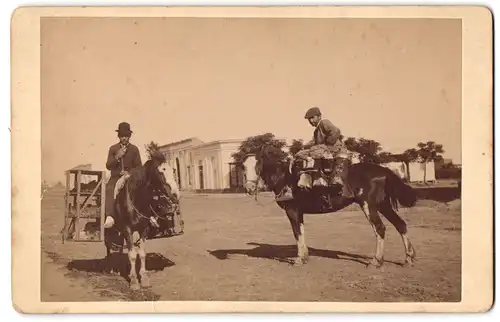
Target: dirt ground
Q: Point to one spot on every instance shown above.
(235, 248)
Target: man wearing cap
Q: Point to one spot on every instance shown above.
(122, 157)
(325, 133)
(326, 139)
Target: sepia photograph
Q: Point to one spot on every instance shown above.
(258, 157)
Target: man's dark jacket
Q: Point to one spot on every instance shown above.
(131, 159)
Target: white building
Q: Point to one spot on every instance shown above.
(204, 166)
(398, 168)
(418, 171)
(414, 171)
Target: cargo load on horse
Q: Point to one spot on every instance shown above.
(325, 164)
(376, 189)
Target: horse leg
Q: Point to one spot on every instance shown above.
(108, 261)
(142, 255)
(296, 219)
(303, 252)
(388, 212)
(378, 227)
(132, 256)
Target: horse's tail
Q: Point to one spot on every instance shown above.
(398, 190)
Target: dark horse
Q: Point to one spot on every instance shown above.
(133, 214)
(376, 189)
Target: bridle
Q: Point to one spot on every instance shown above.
(152, 220)
(256, 182)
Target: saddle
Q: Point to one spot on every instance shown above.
(314, 172)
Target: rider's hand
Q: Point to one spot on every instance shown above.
(120, 153)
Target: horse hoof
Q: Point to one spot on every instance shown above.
(374, 264)
(409, 262)
(145, 283)
(299, 262)
(135, 286)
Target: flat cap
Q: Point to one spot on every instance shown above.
(313, 111)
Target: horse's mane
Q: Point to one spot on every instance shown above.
(140, 175)
(272, 164)
(271, 156)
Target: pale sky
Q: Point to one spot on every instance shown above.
(397, 81)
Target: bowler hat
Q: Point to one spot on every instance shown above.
(124, 128)
(313, 111)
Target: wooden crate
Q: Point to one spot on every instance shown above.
(84, 206)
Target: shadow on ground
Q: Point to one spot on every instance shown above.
(119, 263)
(286, 253)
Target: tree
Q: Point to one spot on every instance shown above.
(309, 144)
(254, 144)
(386, 157)
(428, 152)
(296, 146)
(368, 150)
(153, 149)
(410, 155)
(351, 144)
(448, 165)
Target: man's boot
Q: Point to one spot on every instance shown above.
(305, 181)
(285, 194)
(319, 181)
(110, 222)
(335, 177)
(341, 174)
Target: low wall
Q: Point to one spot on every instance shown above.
(227, 190)
(441, 194)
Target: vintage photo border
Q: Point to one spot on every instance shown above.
(477, 158)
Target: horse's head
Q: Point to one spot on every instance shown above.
(252, 168)
(266, 164)
(160, 176)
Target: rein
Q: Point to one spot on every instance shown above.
(151, 219)
(256, 181)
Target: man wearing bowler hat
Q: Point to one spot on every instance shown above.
(122, 157)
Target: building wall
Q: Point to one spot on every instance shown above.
(416, 170)
(202, 165)
(208, 158)
(226, 159)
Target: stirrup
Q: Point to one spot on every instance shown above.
(336, 180)
(320, 182)
(347, 192)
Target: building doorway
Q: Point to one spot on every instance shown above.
(200, 171)
(178, 166)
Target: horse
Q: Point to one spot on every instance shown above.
(133, 214)
(375, 189)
